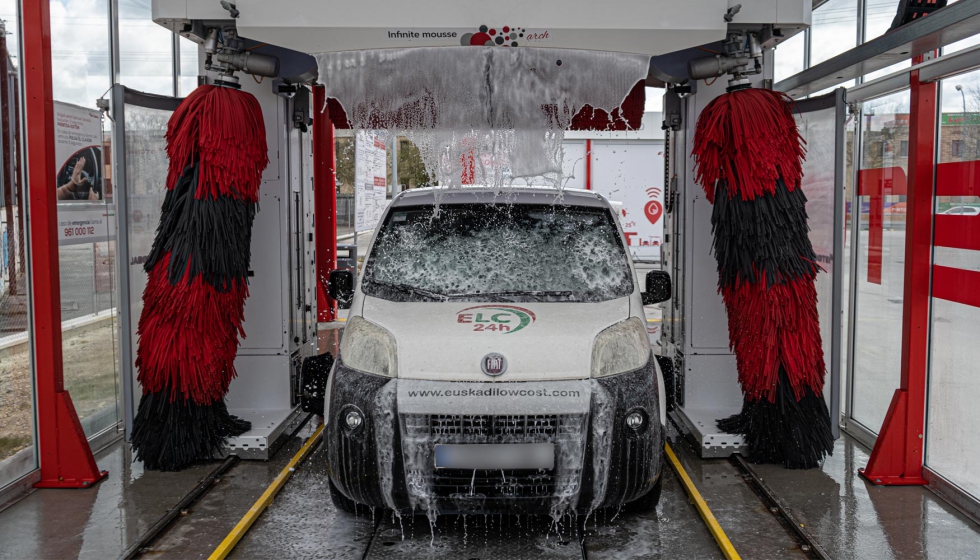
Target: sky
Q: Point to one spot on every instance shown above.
(80, 48)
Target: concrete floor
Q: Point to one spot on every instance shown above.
(851, 519)
(303, 523)
(854, 519)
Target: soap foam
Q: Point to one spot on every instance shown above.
(500, 113)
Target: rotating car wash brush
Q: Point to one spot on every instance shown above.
(193, 303)
(749, 155)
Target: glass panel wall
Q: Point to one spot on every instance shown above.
(146, 52)
(819, 130)
(880, 259)
(82, 73)
(188, 66)
(878, 17)
(788, 57)
(954, 386)
(833, 29)
(850, 137)
(17, 451)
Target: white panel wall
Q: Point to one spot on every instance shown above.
(574, 164)
(632, 172)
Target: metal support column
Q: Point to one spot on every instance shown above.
(325, 203)
(897, 458)
(65, 457)
(588, 165)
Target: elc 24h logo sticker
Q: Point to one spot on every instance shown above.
(507, 319)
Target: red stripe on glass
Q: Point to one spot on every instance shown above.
(877, 184)
(956, 285)
(958, 178)
(958, 232)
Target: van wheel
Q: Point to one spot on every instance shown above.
(667, 369)
(313, 380)
(650, 500)
(340, 501)
(646, 503)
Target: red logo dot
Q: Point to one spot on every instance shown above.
(493, 32)
(479, 39)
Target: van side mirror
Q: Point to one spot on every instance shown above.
(341, 287)
(657, 288)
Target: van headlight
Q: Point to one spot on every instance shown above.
(621, 348)
(369, 348)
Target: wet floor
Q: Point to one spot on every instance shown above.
(854, 519)
(850, 519)
(302, 523)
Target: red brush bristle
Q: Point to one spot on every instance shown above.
(771, 326)
(205, 125)
(189, 335)
(749, 139)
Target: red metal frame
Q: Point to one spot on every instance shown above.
(588, 165)
(897, 458)
(65, 456)
(324, 203)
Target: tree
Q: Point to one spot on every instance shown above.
(411, 168)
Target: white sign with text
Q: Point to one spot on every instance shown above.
(370, 180)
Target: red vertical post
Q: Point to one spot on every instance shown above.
(876, 233)
(65, 456)
(878, 183)
(325, 203)
(897, 457)
(8, 190)
(588, 165)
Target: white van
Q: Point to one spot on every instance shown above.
(496, 360)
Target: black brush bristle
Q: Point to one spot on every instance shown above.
(766, 235)
(170, 435)
(209, 236)
(796, 434)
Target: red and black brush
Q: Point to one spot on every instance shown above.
(193, 304)
(749, 156)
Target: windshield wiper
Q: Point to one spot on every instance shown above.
(409, 289)
(522, 293)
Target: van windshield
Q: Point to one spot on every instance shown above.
(498, 252)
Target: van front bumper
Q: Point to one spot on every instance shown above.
(389, 459)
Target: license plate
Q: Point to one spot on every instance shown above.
(495, 456)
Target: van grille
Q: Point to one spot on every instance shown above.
(484, 428)
(509, 483)
(422, 432)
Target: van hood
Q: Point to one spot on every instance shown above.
(447, 341)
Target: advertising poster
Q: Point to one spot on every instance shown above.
(370, 180)
(83, 216)
(78, 152)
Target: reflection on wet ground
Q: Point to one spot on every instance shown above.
(303, 523)
(851, 519)
(854, 519)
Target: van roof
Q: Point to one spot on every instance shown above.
(506, 195)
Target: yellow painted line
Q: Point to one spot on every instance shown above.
(342, 319)
(236, 534)
(654, 320)
(709, 519)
